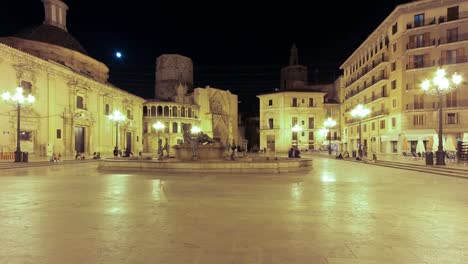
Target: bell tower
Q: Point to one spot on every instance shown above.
(55, 13)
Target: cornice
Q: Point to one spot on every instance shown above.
(36, 65)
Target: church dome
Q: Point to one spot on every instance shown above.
(51, 35)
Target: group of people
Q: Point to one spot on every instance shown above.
(294, 153)
(126, 153)
(56, 158)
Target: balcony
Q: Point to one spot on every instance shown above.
(367, 69)
(418, 24)
(376, 97)
(453, 39)
(453, 60)
(433, 106)
(374, 81)
(420, 44)
(373, 114)
(459, 16)
(420, 65)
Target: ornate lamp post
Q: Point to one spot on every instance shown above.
(159, 126)
(194, 142)
(117, 117)
(360, 112)
(329, 124)
(19, 100)
(440, 86)
(295, 129)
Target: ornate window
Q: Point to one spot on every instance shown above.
(107, 109)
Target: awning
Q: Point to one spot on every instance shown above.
(416, 134)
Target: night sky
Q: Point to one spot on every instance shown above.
(235, 45)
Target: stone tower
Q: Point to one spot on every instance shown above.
(172, 70)
(293, 76)
(55, 13)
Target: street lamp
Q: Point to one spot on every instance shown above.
(360, 112)
(329, 123)
(19, 100)
(117, 117)
(159, 126)
(440, 86)
(195, 130)
(296, 128)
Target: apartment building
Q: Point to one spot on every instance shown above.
(386, 71)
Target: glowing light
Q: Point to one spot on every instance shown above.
(329, 123)
(118, 54)
(117, 116)
(296, 128)
(456, 78)
(323, 132)
(441, 84)
(440, 73)
(18, 97)
(6, 96)
(425, 85)
(195, 130)
(360, 111)
(158, 125)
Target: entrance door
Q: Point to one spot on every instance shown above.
(271, 143)
(80, 139)
(129, 140)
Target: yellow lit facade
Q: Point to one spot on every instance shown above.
(214, 111)
(71, 110)
(281, 111)
(386, 71)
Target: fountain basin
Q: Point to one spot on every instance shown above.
(280, 165)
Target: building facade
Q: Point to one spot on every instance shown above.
(281, 111)
(179, 107)
(386, 71)
(73, 97)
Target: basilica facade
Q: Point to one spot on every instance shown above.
(74, 99)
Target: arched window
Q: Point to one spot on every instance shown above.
(189, 112)
(153, 110)
(159, 110)
(145, 110)
(174, 127)
(174, 111)
(182, 111)
(166, 111)
(107, 109)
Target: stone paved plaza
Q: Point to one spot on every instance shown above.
(340, 212)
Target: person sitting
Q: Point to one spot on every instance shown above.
(297, 153)
(291, 153)
(116, 152)
(339, 156)
(346, 155)
(59, 158)
(96, 155)
(128, 152)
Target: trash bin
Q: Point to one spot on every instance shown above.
(25, 156)
(354, 153)
(429, 158)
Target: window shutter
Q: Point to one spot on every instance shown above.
(426, 59)
(427, 38)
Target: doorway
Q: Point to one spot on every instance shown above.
(271, 143)
(129, 140)
(80, 139)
